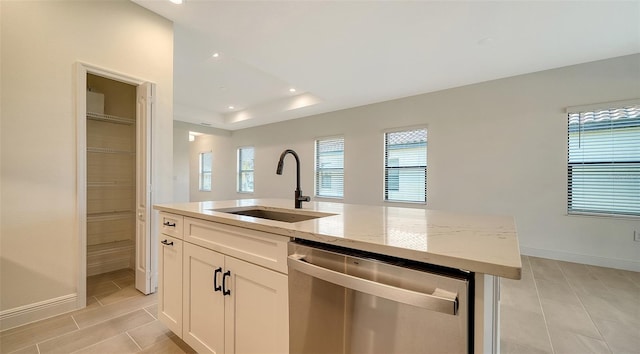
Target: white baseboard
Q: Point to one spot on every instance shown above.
(21, 315)
(581, 258)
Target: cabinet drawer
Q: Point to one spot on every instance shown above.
(171, 224)
(261, 248)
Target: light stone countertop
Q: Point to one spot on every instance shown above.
(474, 242)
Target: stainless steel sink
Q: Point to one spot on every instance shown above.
(277, 214)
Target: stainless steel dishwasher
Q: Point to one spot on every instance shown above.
(345, 301)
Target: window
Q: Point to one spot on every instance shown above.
(330, 168)
(245, 170)
(405, 166)
(604, 160)
(393, 175)
(205, 171)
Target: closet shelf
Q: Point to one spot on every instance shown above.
(109, 151)
(110, 118)
(111, 184)
(116, 215)
(110, 247)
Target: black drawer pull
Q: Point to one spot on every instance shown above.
(170, 224)
(216, 287)
(225, 291)
(167, 242)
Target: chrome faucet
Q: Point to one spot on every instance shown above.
(299, 198)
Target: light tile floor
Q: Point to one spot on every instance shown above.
(117, 319)
(562, 307)
(557, 307)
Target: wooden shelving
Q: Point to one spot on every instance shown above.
(108, 216)
(111, 190)
(110, 118)
(101, 150)
(109, 256)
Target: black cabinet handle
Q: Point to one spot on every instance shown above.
(216, 287)
(170, 224)
(225, 291)
(167, 242)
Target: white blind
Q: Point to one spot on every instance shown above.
(604, 161)
(205, 171)
(405, 166)
(245, 169)
(330, 168)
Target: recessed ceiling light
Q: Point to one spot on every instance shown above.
(292, 90)
(231, 107)
(216, 55)
(177, 2)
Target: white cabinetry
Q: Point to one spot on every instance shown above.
(169, 289)
(234, 287)
(257, 308)
(203, 305)
(170, 272)
(171, 224)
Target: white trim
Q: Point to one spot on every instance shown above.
(81, 71)
(201, 171)
(568, 151)
(315, 165)
(384, 166)
(21, 315)
(81, 181)
(127, 79)
(603, 105)
(603, 215)
(238, 168)
(625, 264)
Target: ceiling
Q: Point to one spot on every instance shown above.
(342, 54)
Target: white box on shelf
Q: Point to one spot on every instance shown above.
(95, 102)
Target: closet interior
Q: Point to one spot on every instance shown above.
(111, 175)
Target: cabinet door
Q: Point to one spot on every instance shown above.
(257, 310)
(203, 306)
(170, 283)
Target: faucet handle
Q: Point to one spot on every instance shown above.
(299, 198)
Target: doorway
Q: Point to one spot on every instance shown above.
(114, 195)
(111, 182)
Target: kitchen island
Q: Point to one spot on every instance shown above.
(486, 245)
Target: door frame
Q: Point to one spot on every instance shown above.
(81, 71)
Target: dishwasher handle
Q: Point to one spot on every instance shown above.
(444, 302)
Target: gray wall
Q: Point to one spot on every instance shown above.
(181, 160)
(185, 162)
(496, 147)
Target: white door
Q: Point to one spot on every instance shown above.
(203, 325)
(144, 112)
(256, 310)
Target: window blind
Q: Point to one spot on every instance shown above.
(205, 171)
(330, 168)
(604, 161)
(245, 169)
(405, 165)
